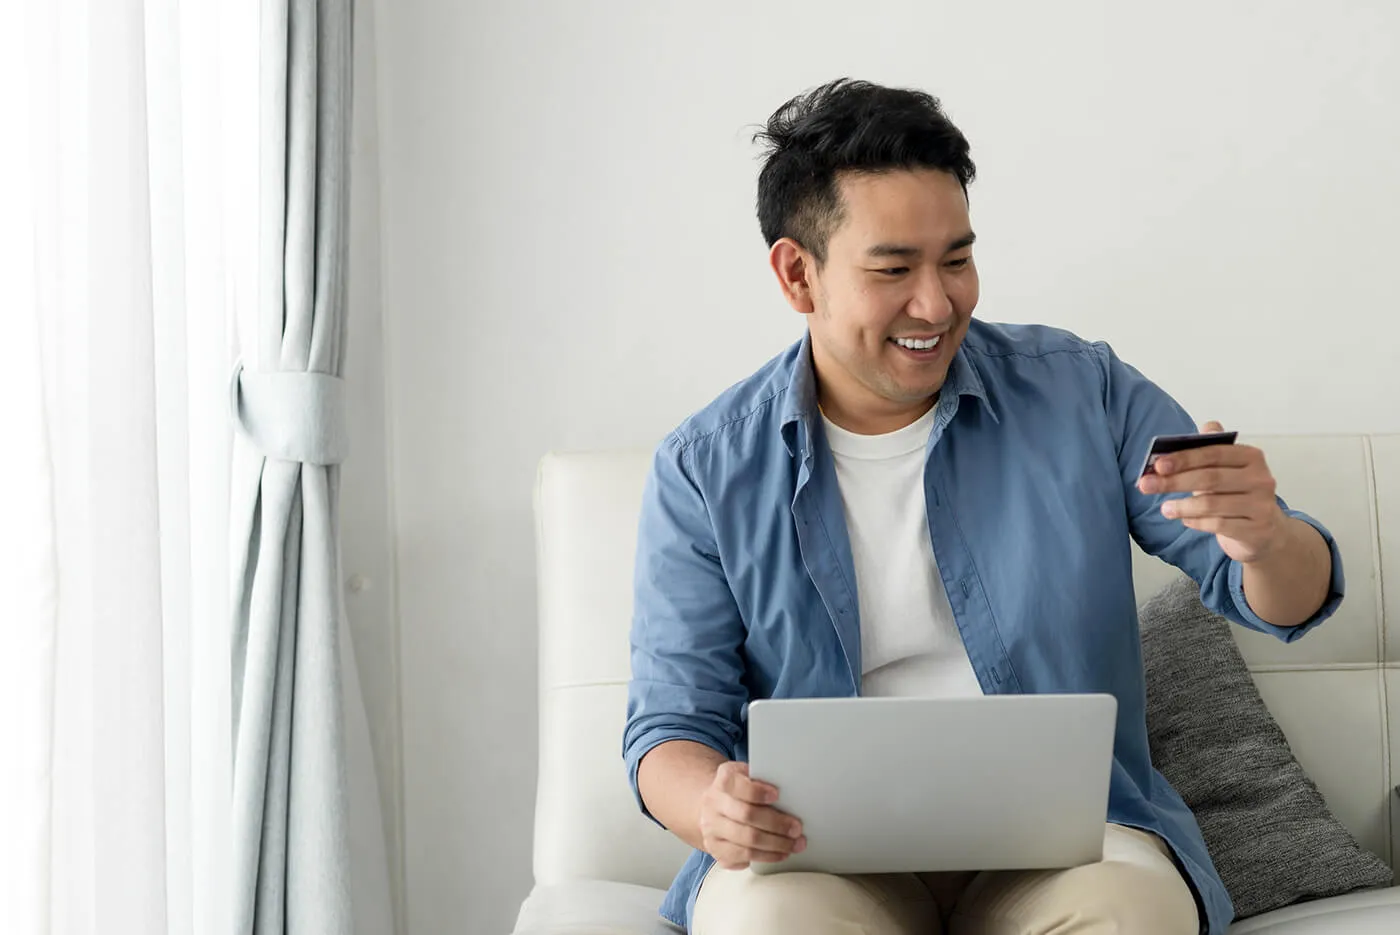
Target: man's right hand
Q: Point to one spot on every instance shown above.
(740, 826)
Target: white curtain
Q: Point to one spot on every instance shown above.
(128, 238)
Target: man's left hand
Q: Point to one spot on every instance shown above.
(1232, 496)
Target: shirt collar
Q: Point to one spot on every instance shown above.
(800, 401)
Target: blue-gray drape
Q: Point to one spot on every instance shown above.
(291, 870)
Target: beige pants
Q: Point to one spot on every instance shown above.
(1135, 889)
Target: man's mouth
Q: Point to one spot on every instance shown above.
(918, 344)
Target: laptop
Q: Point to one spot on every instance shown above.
(891, 785)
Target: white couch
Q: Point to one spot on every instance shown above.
(601, 868)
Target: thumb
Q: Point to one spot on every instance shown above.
(1212, 426)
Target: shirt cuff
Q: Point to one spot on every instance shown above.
(1336, 590)
(647, 744)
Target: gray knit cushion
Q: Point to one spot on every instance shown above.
(1271, 836)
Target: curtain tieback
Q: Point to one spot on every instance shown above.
(291, 415)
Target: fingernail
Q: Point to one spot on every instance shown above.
(1165, 465)
(800, 846)
(795, 831)
(1149, 485)
(1169, 508)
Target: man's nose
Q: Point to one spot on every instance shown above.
(931, 303)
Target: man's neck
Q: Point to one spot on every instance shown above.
(873, 419)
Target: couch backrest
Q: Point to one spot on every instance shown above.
(1336, 693)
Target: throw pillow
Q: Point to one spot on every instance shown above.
(1270, 834)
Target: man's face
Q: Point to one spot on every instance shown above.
(892, 303)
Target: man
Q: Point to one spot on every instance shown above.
(912, 502)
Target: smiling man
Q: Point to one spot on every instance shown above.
(912, 502)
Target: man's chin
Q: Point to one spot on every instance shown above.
(917, 392)
(912, 397)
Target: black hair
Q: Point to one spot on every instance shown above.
(847, 126)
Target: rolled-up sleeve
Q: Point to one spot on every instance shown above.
(1336, 588)
(687, 633)
(1138, 409)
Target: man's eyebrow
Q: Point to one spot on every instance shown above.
(904, 250)
(892, 249)
(966, 240)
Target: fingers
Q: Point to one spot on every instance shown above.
(1242, 530)
(1211, 479)
(1240, 506)
(732, 778)
(1252, 521)
(739, 825)
(1232, 495)
(1210, 456)
(736, 843)
(753, 838)
(1254, 479)
(761, 818)
(1243, 471)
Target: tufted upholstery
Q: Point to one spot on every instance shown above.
(1336, 693)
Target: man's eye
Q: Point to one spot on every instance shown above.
(959, 264)
(893, 271)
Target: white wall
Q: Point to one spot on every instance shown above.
(571, 261)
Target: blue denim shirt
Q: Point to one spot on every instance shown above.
(745, 587)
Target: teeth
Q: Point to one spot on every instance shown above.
(917, 345)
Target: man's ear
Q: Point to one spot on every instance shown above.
(794, 267)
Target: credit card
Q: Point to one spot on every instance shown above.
(1166, 444)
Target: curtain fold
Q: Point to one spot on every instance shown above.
(292, 858)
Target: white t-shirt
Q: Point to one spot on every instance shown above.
(909, 641)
